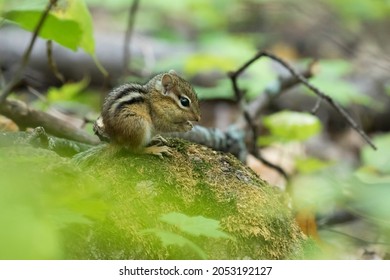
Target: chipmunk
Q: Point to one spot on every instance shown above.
(134, 115)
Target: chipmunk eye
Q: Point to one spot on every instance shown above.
(184, 101)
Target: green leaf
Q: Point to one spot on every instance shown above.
(260, 75)
(360, 11)
(195, 226)
(26, 5)
(387, 88)
(331, 80)
(314, 189)
(222, 90)
(69, 23)
(63, 217)
(67, 92)
(378, 159)
(26, 235)
(310, 165)
(291, 126)
(207, 62)
(371, 199)
(54, 28)
(170, 238)
(77, 11)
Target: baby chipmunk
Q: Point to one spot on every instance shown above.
(134, 115)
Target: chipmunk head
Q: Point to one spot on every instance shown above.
(175, 103)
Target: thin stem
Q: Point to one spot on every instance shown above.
(52, 63)
(26, 56)
(128, 36)
(249, 120)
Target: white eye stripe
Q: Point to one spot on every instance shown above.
(178, 101)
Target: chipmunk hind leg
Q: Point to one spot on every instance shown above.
(131, 130)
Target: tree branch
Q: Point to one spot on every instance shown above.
(26, 56)
(251, 111)
(276, 89)
(25, 116)
(249, 117)
(322, 95)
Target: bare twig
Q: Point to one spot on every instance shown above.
(26, 56)
(273, 91)
(249, 119)
(52, 63)
(252, 110)
(37, 94)
(128, 36)
(316, 106)
(25, 116)
(322, 95)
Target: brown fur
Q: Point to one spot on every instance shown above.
(133, 114)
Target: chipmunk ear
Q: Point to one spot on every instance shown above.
(167, 82)
(173, 72)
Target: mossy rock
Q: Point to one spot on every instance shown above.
(195, 181)
(117, 199)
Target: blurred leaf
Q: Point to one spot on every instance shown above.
(67, 92)
(196, 226)
(330, 81)
(69, 23)
(310, 165)
(25, 234)
(290, 126)
(335, 67)
(379, 159)
(223, 90)
(371, 200)
(77, 11)
(113, 4)
(207, 62)
(170, 238)
(360, 10)
(260, 75)
(234, 48)
(63, 217)
(232, 53)
(24, 5)
(370, 175)
(54, 28)
(387, 88)
(39, 198)
(91, 208)
(317, 191)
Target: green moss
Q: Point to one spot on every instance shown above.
(179, 144)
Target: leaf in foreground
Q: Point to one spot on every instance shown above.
(169, 238)
(195, 226)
